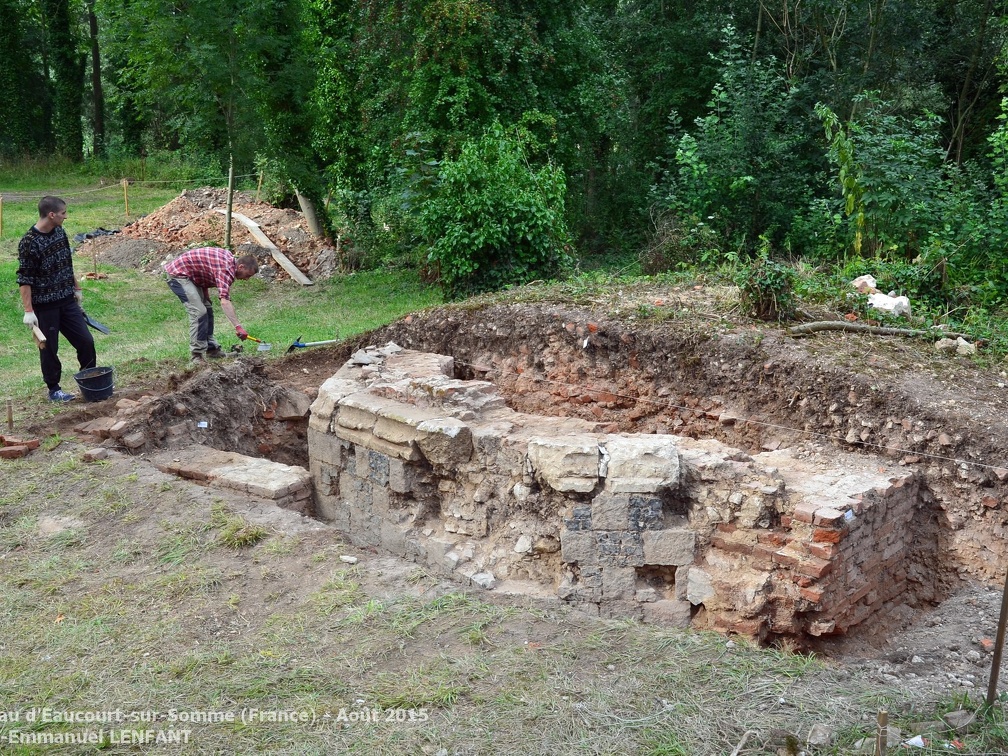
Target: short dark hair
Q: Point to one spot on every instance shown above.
(249, 262)
(48, 205)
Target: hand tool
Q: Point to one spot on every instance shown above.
(262, 345)
(100, 327)
(298, 344)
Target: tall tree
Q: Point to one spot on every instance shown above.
(97, 91)
(68, 77)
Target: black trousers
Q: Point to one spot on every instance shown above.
(67, 319)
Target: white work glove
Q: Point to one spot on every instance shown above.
(78, 295)
(30, 320)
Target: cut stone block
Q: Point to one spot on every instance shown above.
(669, 547)
(445, 441)
(641, 464)
(566, 463)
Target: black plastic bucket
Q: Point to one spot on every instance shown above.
(96, 383)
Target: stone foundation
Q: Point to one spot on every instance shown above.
(406, 458)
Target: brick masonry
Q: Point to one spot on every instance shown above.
(405, 457)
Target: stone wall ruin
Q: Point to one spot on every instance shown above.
(408, 458)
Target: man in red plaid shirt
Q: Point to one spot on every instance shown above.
(191, 275)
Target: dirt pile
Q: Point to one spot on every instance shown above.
(196, 218)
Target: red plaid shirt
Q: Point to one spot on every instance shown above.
(207, 267)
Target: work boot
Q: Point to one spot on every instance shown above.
(198, 357)
(215, 353)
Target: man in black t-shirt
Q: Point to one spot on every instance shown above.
(51, 294)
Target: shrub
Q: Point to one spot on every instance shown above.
(493, 219)
(766, 289)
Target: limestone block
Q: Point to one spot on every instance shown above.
(565, 463)
(668, 613)
(325, 447)
(324, 407)
(641, 464)
(355, 418)
(618, 583)
(578, 546)
(445, 441)
(610, 511)
(393, 538)
(669, 547)
(699, 586)
(682, 582)
(369, 441)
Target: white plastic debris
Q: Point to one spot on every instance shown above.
(348, 559)
(887, 303)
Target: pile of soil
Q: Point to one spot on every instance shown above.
(195, 218)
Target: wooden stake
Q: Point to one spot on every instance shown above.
(259, 185)
(10, 415)
(1, 216)
(883, 733)
(998, 647)
(125, 185)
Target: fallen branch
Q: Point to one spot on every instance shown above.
(805, 329)
(741, 745)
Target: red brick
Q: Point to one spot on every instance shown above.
(814, 595)
(785, 521)
(827, 535)
(805, 511)
(32, 443)
(733, 547)
(13, 452)
(727, 527)
(786, 558)
(773, 539)
(814, 567)
(822, 550)
(827, 517)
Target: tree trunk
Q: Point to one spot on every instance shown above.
(311, 217)
(68, 67)
(97, 94)
(230, 201)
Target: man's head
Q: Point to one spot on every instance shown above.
(52, 211)
(246, 267)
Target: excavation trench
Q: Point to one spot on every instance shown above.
(689, 480)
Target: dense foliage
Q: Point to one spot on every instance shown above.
(831, 130)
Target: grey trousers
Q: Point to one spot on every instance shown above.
(200, 311)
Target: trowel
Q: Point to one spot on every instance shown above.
(261, 346)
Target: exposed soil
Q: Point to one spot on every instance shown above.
(682, 361)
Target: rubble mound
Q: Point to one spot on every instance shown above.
(196, 218)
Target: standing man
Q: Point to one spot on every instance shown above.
(51, 294)
(191, 275)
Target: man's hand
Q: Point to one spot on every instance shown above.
(242, 333)
(78, 295)
(30, 320)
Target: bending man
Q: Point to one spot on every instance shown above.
(51, 294)
(191, 275)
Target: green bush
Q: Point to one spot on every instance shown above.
(766, 289)
(493, 219)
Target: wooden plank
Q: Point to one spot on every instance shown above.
(264, 241)
(40, 339)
